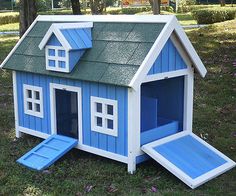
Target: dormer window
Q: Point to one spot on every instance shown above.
(64, 45)
(56, 59)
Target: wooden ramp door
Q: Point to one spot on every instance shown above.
(47, 152)
(189, 158)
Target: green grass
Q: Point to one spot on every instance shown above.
(77, 172)
(9, 27)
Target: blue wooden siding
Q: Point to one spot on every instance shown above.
(109, 143)
(53, 41)
(74, 56)
(170, 100)
(168, 60)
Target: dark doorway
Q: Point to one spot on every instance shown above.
(67, 113)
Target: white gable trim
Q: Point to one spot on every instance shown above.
(54, 30)
(167, 32)
(190, 49)
(153, 54)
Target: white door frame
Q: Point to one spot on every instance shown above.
(53, 87)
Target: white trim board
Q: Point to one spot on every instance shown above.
(107, 18)
(86, 148)
(53, 87)
(193, 183)
(15, 98)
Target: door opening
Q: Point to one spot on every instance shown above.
(67, 113)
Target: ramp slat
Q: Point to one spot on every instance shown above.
(47, 152)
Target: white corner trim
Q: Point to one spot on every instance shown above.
(33, 100)
(15, 97)
(190, 49)
(107, 18)
(134, 131)
(104, 116)
(53, 87)
(80, 146)
(19, 42)
(153, 54)
(188, 100)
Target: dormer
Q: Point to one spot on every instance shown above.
(64, 44)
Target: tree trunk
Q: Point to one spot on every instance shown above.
(151, 3)
(97, 6)
(28, 13)
(222, 2)
(76, 7)
(156, 7)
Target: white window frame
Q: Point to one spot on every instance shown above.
(33, 100)
(104, 129)
(56, 58)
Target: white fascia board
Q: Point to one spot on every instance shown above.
(110, 18)
(78, 25)
(153, 54)
(190, 49)
(19, 42)
(54, 29)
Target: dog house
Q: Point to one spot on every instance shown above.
(117, 86)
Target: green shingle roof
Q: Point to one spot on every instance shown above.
(118, 51)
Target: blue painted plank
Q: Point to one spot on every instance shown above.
(148, 113)
(47, 152)
(169, 59)
(189, 155)
(172, 54)
(94, 134)
(53, 41)
(102, 137)
(111, 140)
(165, 58)
(120, 144)
(159, 132)
(142, 158)
(86, 113)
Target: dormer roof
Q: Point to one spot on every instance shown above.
(72, 36)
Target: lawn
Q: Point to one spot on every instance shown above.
(79, 173)
(9, 27)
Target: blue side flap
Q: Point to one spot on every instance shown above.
(47, 152)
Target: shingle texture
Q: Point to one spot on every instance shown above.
(117, 52)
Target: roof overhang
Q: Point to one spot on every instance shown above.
(171, 27)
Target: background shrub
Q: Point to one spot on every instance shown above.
(212, 15)
(6, 18)
(135, 10)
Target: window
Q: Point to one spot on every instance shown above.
(104, 116)
(33, 100)
(56, 59)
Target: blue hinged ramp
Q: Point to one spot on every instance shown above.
(189, 158)
(47, 152)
